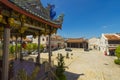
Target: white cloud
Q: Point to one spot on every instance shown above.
(104, 27)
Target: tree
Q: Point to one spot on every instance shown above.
(35, 46)
(60, 68)
(12, 49)
(29, 47)
(117, 51)
(41, 47)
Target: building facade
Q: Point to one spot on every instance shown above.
(56, 41)
(43, 40)
(20, 18)
(93, 43)
(77, 43)
(108, 43)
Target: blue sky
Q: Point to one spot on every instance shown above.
(87, 18)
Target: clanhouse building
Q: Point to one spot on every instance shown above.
(77, 43)
(109, 42)
(20, 18)
(56, 41)
(93, 43)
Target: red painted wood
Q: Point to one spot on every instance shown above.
(14, 7)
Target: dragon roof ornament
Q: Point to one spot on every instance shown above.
(36, 8)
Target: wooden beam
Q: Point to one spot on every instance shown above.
(30, 26)
(19, 10)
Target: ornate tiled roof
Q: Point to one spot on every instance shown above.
(36, 8)
(118, 34)
(76, 40)
(112, 37)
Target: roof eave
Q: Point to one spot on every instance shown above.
(18, 9)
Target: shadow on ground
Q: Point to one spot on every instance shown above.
(73, 76)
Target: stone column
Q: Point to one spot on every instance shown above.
(6, 42)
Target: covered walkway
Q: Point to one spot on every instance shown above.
(21, 18)
(77, 43)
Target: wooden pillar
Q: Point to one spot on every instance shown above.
(70, 45)
(49, 49)
(21, 55)
(83, 45)
(67, 45)
(38, 57)
(78, 45)
(16, 48)
(6, 42)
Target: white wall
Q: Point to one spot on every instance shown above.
(93, 43)
(35, 40)
(54, 41)
(103, 44)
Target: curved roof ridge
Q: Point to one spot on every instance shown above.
(36, 8)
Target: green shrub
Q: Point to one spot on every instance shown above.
(62, 77)
(117, 51)
(12, 49)
(18, 47)
(41, 47)
(35, 46)
(117, 61)
(29, 47)
(60, 68)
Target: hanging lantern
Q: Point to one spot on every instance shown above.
(23, 29)
(4, 21)
(11, 21)
(1, 18)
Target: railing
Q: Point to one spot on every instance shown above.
(113, 45)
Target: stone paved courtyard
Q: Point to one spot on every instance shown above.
(88, 65)
(92, 65)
